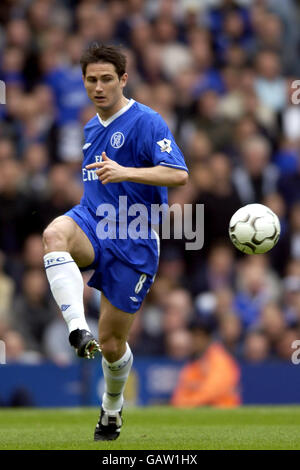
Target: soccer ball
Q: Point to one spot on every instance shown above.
(254, 229)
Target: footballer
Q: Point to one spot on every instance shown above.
(128, 151)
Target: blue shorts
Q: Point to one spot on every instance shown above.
(124, 270)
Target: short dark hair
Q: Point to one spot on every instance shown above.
(206, 322)
(96, 53)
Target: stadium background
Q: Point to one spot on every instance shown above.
(220, 73)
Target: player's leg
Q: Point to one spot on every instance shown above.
(114, 327)
(124, 287)
(67, 247)
(64, 234)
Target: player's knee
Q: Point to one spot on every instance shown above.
(112, 348)
(54, 239)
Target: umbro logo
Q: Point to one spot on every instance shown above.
(120, 366)
(134, 299)
(86, 146)
(64, 307)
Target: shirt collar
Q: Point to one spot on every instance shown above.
(116, 115)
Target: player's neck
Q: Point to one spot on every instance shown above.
(106, 114)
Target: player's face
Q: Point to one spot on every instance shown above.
(104, 88)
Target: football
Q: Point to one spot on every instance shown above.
(254, 229)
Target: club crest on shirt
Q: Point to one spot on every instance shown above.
(165, 145)
(117, 140)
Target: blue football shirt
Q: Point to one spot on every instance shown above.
(136, 136)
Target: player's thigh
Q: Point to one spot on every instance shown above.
(64, 234)
(114, 324)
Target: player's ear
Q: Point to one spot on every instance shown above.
(123, 80)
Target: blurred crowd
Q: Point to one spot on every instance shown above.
(222, 73)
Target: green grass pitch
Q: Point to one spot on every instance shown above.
(154, 428)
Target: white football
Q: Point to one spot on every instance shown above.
(254, 229)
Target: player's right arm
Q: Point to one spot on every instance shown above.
(110, 171)
(163, 162)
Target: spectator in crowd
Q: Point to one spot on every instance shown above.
(17, 208)
(199, 147)
(285, 344)
(16, 351)
(32, 250)
(177, 310)
(7, 288)
(288, 187)
(289, 244)
(212, 377)
(256, 177)
(208, 119)
(7, 149)
(291, 300)
(63, 191)
(255, 288)
(36, 161)
(273, 324)
(221, 201)
(33, 309)
(178, 345)
(256, 347)
(230, 333)
(241, 103)
(217, 273)
(270, 86)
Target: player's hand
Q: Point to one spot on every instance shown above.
(108, 170)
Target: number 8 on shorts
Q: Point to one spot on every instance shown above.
(140, 283)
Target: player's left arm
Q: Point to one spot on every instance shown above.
(110, 171)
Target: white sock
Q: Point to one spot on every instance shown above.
(66, 285)
(116, 375)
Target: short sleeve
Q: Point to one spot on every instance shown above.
(160, 147)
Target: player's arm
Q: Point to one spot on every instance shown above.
(110, 171)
